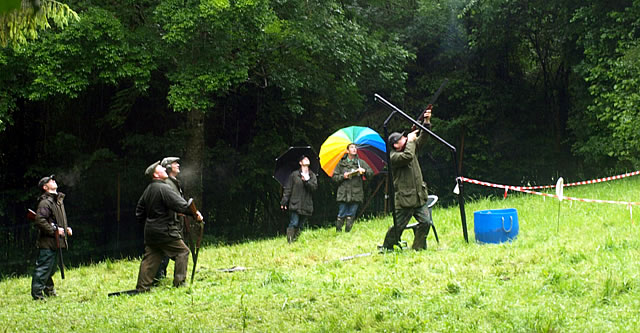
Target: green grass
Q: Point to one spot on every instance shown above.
(580, 276)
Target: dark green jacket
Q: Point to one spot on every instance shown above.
(156, 208)
(350, 190)
(410, 189)
(50, 215)
(176, 185)
(297, 193)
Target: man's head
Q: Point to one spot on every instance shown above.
(156, 171)
(304, 161)
(48, 184)
(172, 165)
(397, 140)
(352, 149)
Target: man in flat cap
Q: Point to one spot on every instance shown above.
(173, 169)
(156, 209)
(410, 190)
(51, 221)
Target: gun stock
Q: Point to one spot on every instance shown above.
(31, 215)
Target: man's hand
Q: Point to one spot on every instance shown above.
(412, 136)
(427, 115)
(69, 231)
(199, 217)
(361, 170)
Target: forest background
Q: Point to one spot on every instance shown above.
(537, 90)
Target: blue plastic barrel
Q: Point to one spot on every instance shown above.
(495, 225)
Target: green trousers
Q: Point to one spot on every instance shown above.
(403, 215)
(41, 281)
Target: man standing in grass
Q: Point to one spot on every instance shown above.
(51, 220)
(172, 165)
(410, 189)
(162, 237)
(350, 173)
(297, 197)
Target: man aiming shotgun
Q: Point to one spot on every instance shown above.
(410, 190)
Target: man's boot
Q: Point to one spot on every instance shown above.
(350, 221)
(339, 223)
(420, 233)
(290, 233)
(296, 233)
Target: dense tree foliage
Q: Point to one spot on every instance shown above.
(22, 19)
(536, 89)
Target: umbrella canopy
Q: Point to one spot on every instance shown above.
(371, 148)
(288, 162)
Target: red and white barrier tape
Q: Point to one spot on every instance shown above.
(526, 190)
(585, 182)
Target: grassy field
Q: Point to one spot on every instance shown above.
(576, 271)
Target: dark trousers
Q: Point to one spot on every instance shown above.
(153, 255)
(41, 281)
(162, 269)
(403, 215)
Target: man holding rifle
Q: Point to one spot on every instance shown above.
(51, 221)
(162, 237)
(410, 189)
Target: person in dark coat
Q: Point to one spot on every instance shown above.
(410, 189)
(172, 165)
(162, 237)
(350, 174)
(51, 221)
(297, 197)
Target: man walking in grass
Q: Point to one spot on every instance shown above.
(162, 237)
(410, 189)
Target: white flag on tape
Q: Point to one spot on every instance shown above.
(560, 188)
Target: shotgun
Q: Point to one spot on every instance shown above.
(433, 99)
(194, 211)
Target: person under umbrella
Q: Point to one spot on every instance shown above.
(350, 174)
(297, 197)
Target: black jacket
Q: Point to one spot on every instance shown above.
(297, 193)
(155, 209)
(50, 215)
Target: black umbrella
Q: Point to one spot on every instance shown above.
(288, 162)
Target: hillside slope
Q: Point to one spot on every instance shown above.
(573, 267)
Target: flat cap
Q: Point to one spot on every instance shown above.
(168, 160)
(394, 137)
(45, 180)
(151, 169)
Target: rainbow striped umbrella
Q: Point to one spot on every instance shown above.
(371, 148)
